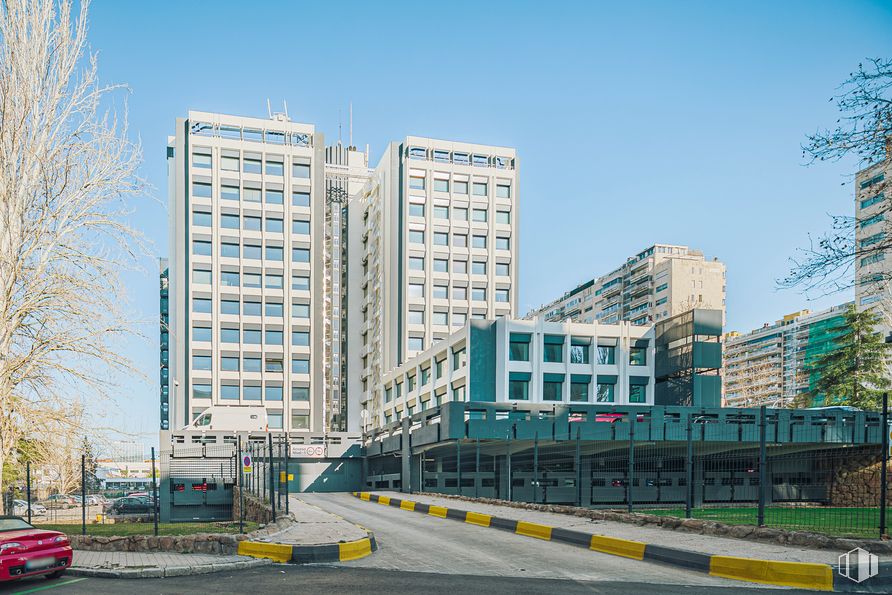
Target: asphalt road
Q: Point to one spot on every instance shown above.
(341, 579)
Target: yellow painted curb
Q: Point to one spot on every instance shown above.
(385, 500)
(257, 549)
(364, 496)
(353, 550)
(476, 518)
(618, 547)
(407, 505)
(789, 574)
(437, 511)
(533, 530)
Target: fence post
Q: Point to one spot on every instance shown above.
(633, 417)
(763, 462)
(28, 488)
(241, 488)
(884, 468)
(458, 464)
(287, 482)
(272, 485)
(508, 461)
(84, 494)
(154, 494)
(536, 468)
(689, 470)
(477, 471)
(578, 465)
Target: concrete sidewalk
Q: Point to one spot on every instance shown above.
(155, 565)
(314, 526)
(719, 546)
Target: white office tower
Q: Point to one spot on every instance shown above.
(245, 272)
(434, 242)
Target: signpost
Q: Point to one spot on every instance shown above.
(247, 463)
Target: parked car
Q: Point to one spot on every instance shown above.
(20, 508)
(130, 505)
(28, 551)
(60, 501)
(93, 501)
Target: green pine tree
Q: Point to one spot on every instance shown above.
(855, 372)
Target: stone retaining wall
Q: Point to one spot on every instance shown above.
(856, 482)
(256, 509)
(748, 532)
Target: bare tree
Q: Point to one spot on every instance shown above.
(66, 170)
(863, 132)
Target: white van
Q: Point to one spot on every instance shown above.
(231, 418)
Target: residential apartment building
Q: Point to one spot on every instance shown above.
(773, 365)
(434, 244)
(657, 283)
(245, 275)
(525, 361)
(873, 270)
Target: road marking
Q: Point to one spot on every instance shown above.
(50, 586)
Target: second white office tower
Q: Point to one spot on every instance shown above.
(298, 276)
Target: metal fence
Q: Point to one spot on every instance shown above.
(754, 478)
(264, 468)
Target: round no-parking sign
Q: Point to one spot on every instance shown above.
(247, 463)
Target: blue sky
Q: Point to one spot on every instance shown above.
(635, 123)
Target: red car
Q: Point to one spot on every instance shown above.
(28, 551)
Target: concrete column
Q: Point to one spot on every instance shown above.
(406, 451)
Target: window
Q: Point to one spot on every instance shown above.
(871, 220)
(579, 392)
(441, 292)
(503, 243)
(438, 367)
(416, 210)
(300, 199)
(200, 248)
(275, 168)
(478, 267)
(251, 223)
(300, 366)
(300, 282)
(274, 281)
(229, 163)
(502, 295)
(274, 365)
(273, 337)
(460, 240)
(300, 338)
(274, 419)
(300, 227)
(441, 318)
(479, 188)
(552, 391)
(479, 241)
(605, 393)
(201, 277)
(638, 356)
(229, 279)
(460, 213)
(459, 318)
(606, 354)
(416, 263)
(300, 393)
(416, 236)
(878, 257)
(300, 421)
(869, 202)
(274, 309)
(503, 191)
(201, 362)
(201, 391)
(202, 333)
(251, 309)
(251, 280)
(459, 293)
(229, 392)
(661, 287)
(478, 294)
(459, 358)
(425, 376)
(275, 197)
(252, 165)
(300, 310)
(502, 269)
(441, 238)
(416, 182)
(251, 194)
(441, 265)
(201, 219)
(300, 170)
(661, 301)
(251, 252)
(459, 187)
(201, 305)
(229, 335)
(272, 393)
(251, 393)
(416, 343)
(553, 348)
(229, 363)
(201, 190)
(519, 348)
(250, 363)
(503, 217)
(300, 255)
(480, 215)
(441, 212)
(441, 185)
(229, 192)
(416, 290)
(229, 307)
(229, 221)
(416, 316)
(519, 390)
(228, 250)
(460, 266)
(275, 253)
(637, 393)
(579, 354)
(251, 337)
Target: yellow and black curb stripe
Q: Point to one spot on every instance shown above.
(771, 572)
(309, 554)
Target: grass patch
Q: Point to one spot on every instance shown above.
(124, 529)
(839, 522)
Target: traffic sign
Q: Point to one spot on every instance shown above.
(247, 464)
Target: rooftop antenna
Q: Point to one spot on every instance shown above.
(351, 123)
(285, 103)
(339, 125)
(269, 109)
